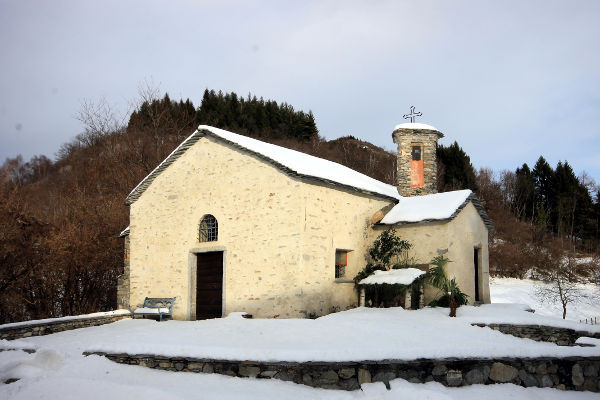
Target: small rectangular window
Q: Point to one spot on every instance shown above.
(416, 153)
(341, 261)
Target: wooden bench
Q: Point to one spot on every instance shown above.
(156, 307)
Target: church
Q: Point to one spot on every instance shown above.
(227, 223)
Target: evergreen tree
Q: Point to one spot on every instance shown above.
(543, 174)
(597, 222)
(523, 202)
(455, 168)
(585, 224)
(255, 117)
(564, 198)
(163, 118)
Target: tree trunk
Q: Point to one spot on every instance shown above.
(562, 295)
(452, 305)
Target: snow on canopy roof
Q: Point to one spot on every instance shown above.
(291, 161)
(434, 207)
(403, 276)
(415, 125)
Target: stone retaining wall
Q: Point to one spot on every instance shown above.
(540, 333)
(46, 328)
(573, 373)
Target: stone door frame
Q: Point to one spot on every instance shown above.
(192, 279)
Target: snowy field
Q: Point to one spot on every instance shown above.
(511, 290)
(57, 370)
(354, 335)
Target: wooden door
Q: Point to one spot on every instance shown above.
(209, 285)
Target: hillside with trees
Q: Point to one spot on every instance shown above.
(60, 219)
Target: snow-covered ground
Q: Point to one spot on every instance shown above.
(511, 290)
(58, 370)
(354, 335)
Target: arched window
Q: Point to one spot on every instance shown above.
(209, 229)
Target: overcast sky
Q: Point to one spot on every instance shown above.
(508, 80)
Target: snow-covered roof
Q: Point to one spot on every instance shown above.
(291, 161)
(415, 125)
(403, 276)
(434, 207)
(124, 232)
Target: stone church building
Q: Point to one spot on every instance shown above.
(229, 223)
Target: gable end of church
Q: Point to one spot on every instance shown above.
(199, 133)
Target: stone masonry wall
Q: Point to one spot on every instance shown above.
(540, 333)
(46, 328)
(405, 138)
(123, 280)
(278, 234)
(573, 373)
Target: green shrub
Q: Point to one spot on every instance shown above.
(387, 252)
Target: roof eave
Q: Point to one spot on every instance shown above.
(147, 181)
(489, 224)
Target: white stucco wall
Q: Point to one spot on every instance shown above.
(465, 233)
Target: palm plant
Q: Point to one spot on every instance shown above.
(453, 296)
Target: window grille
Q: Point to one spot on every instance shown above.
(341, 260)
(209, 229)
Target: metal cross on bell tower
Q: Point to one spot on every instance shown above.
(412, 114)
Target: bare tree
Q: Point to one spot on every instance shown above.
(587, 181)
(99, 119)
(14, 170)
(508, 184)
(164, 126)
(148, 91)
(560, 280)
(149, 96)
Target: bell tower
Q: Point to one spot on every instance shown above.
(417, 163)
